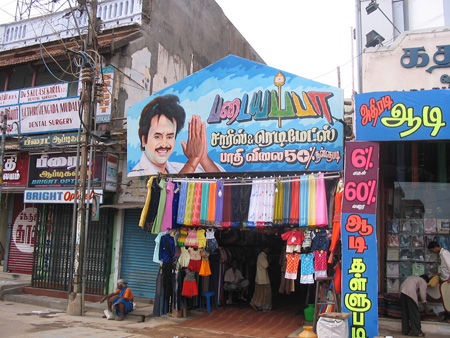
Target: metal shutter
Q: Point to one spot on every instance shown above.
(137, 266)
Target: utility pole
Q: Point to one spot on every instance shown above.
(4, 121)
(75, 304)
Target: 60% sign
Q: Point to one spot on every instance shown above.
(363, 191)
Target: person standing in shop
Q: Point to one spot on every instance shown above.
(262, 298)
(411, 290)
(444, 255)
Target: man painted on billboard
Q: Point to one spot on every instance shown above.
(160, 122)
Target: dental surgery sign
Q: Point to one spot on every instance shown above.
(40, 109)
(403, 116)
(252, 117)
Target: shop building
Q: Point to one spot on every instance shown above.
(403, 71)
(141, 47)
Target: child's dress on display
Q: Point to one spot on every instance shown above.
(195, 262)
(189, 285)
(205, 269)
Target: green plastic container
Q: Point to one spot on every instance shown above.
(309, 313)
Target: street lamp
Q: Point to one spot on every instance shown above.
(373, 6)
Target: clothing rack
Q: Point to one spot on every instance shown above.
(259, 180)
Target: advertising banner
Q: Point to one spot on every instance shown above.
(59, 170)
(103, 112)
(13, 120)
(47, 116)
(43, 93)
(15, 171)
(58, 196)
(237, 115)
(359, 242)
(403, 116)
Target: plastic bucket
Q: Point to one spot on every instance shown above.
(309, 313)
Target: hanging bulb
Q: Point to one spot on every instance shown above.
(220, 192)
(276, 189)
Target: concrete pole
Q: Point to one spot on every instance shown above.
(2, 154)
(75, 304)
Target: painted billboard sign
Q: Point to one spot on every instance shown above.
(359, 242)
(241, 116)
(395, 116)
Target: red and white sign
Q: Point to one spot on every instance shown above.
(15, 170)
(12, 123)
(56, 115)
(58, 196)
(23, 230)
(10, 97)
(43, 93)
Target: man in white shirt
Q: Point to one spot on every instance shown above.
(160, 122)
(262, 298)
(233, 281)
(411, 290)
(444, 255)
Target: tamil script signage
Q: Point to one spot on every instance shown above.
(247, 117)
(359, 242)
(15, 170)
(53, 140)
(59, 170)
(58, 196)
(403, 116)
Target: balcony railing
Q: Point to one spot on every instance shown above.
(61, 25)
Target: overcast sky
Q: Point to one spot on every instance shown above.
(308, 38)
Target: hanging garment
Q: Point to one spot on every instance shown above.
(189, 284)
(307, 242)
(287, 202)
(292, 262)
(211, 204)
(147, 203)
(295, 202)
(191, 239)
(204, 204)
(167, 217)
(321, 202)
(278, 208)
(226, 218)
(219, 204)
(246, 191)
(175, 202)
(236, 206)
(156, 258)
(285, 284)
(197, 204)
(211, 242)
(336, 217)
(205, 269)
(196, 260)
(320, 239)
(304, 193)
(253, 208)
(293, 237)
(181, 240)
(201, 239)
(153, 205)
(182, 202)
(189, 210)
(184, 258)
(156, 229)
(167, 248)
(338, 278)
(270, 201)
(307, 268)
(312, 200)
(320, 264)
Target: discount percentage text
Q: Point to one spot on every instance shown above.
(361, 193)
